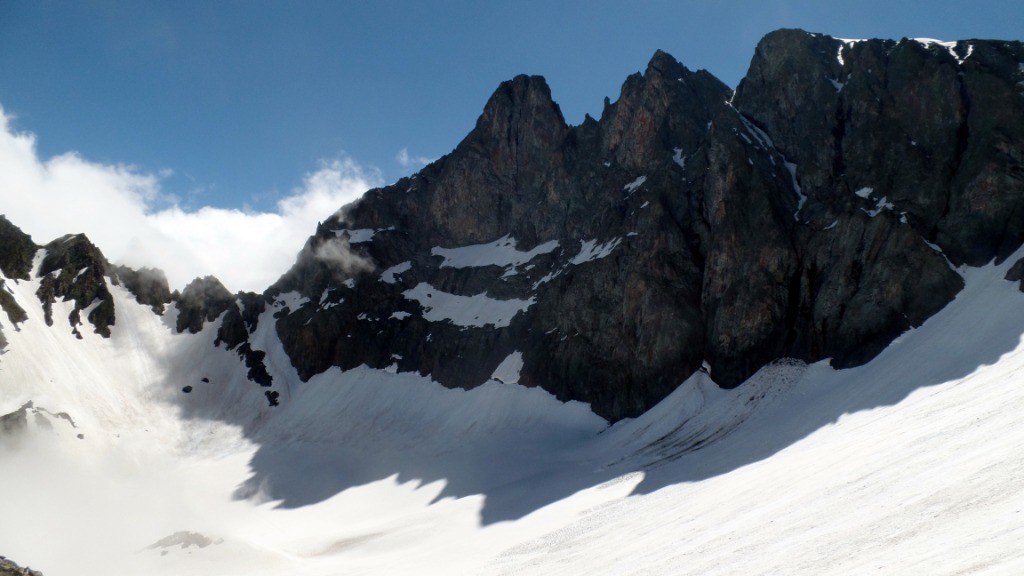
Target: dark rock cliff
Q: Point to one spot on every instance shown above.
(18, 251)
(16, 255)
(816, 213)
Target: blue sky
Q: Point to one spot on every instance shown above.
(240, 99)
(236, 105)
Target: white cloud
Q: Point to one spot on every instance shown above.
(336, 252)
(408, 161)
(116, 207)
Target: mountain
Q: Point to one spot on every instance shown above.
(817, 212)
(674, 299)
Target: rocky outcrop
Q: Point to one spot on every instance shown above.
(816, 213)
(15, 264)
(205, 300)
(241, 320)
(148, 285)
(18, 251)
(10, 568)
(202, 300)
(73, 269)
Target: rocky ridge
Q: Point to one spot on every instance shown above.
(817, 212)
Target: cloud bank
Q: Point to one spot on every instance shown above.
(124, 212)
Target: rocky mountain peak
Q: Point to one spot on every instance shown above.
(75, 269)
(520, 124)
(18, 250)
(687, 226)
(202, 300)
(666, 107)
(149, 285)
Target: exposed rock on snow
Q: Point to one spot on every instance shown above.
(184, 539)
(149, 285)
(73, 269)
(10, 568)
(202, 300)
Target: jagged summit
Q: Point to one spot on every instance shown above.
(734, 229)
(520, 119)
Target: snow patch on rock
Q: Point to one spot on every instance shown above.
(476, 311)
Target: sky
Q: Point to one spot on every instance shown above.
(185, 134)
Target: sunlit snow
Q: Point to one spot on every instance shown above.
(910, 464)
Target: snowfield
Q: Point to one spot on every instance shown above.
(911, 464)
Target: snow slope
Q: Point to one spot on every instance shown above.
(910, 464)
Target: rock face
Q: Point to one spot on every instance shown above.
(10, 568)
(18, 250)
(149, 285)
(74, 269)
(16, 256)
(816, 213)
(203, 300)
(933, 128)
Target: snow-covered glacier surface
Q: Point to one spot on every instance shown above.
(909, 464)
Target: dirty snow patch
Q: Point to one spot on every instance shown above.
(632, 186)
(882, 204)
(591, 250)
(501, 252)
(677, 157)
(361, 235)
(390, 276)
(292, 300)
